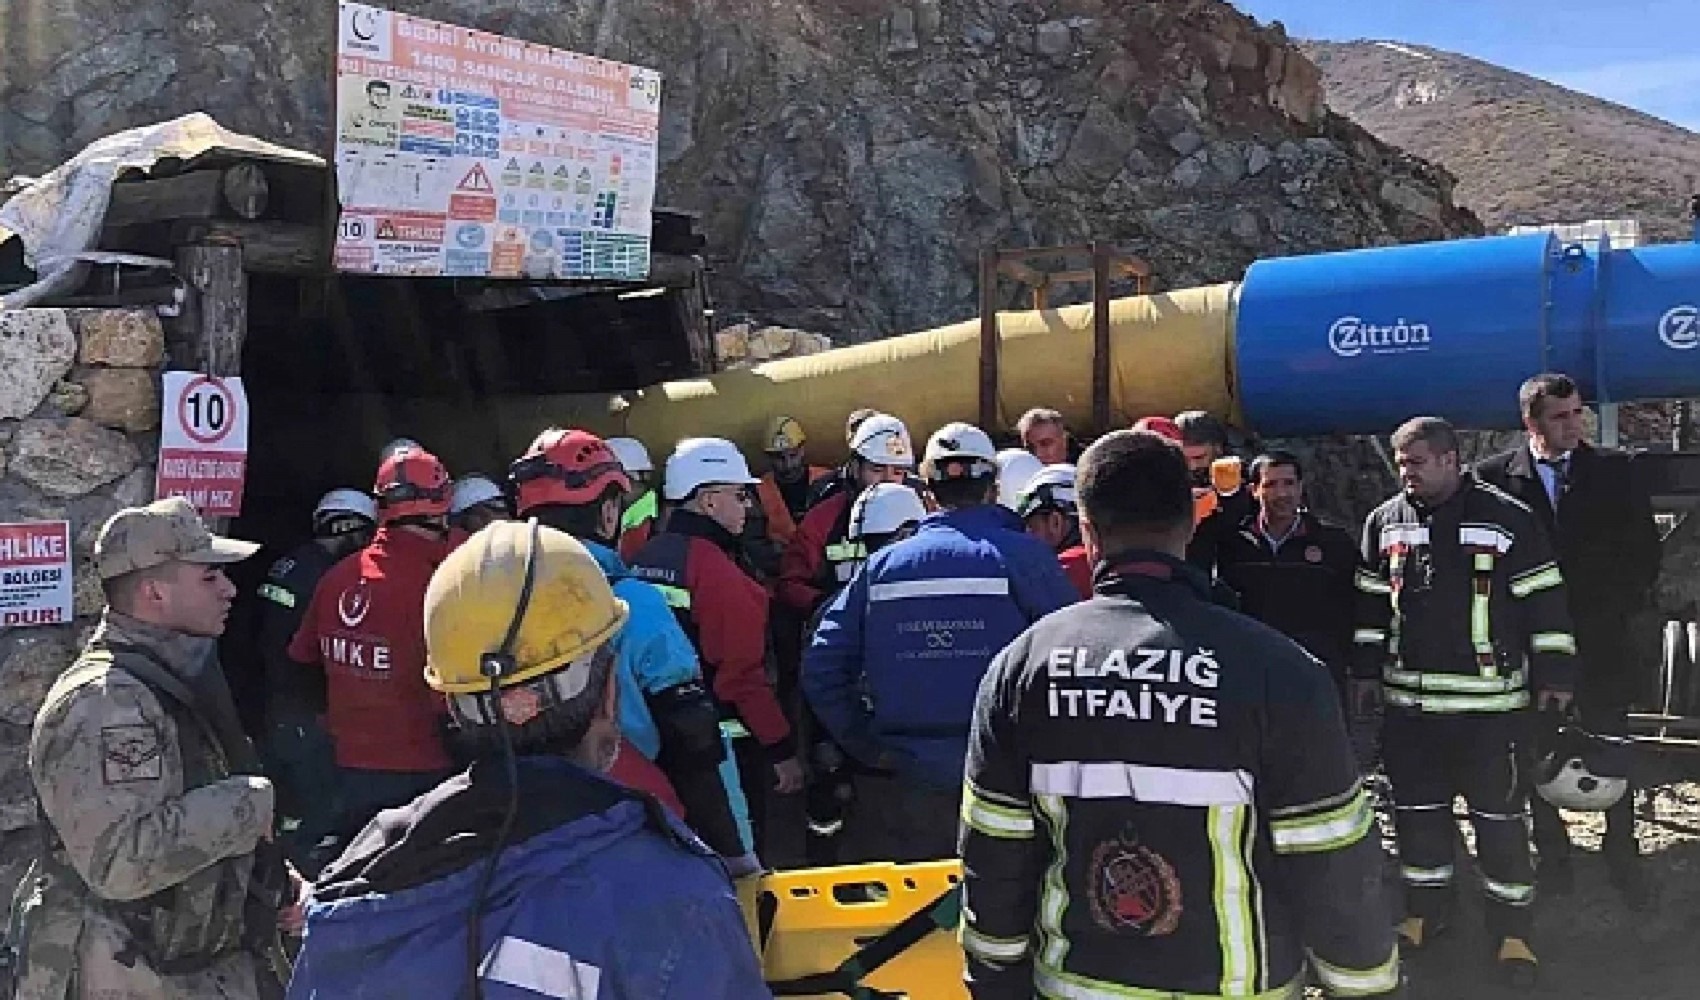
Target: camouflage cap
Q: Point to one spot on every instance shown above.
(139, 538)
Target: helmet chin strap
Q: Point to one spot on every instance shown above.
(495, 666)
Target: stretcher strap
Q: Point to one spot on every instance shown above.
(942, 913)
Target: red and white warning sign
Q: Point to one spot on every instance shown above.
(203, 445)
(35, 573)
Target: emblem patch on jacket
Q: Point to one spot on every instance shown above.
(1134, 890)
(130, 753)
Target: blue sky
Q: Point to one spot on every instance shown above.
(1642, 53)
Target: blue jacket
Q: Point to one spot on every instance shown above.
(894, 667)
(600, 895)
(652, 652)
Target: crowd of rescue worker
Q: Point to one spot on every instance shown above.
(1141, 697)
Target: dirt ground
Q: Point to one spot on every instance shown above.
(1591, 947)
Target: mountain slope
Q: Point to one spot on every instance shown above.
(1523, 150)
(850, 158)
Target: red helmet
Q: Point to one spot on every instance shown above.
(412, 482)
(1162, 426)
(570, 467)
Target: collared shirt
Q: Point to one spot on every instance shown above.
(1296, 528)
(1555, 475)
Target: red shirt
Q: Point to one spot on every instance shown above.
(1078, 569)
(365, 628)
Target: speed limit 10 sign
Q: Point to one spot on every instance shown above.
(203, 446)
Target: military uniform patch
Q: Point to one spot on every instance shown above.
(1134, 890)
(130, 753)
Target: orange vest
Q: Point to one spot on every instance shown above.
(780, 524)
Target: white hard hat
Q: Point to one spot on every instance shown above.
(883, 509)
(705, 462)
(963, 442)
(633, 456)
(883, 440)
(1583, 772)
(470, 491)
(344, 502)
(1052, 486)
(1016, 468)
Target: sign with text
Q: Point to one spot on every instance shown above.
(35, 573)
(455, 148)
(203, 443)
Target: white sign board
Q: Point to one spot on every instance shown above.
(35, 573)
(203, 442)
(463, 153)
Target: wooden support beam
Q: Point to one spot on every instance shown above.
(194, 195)
(245, 190)
(988, 339)
(241, 190)
(286, 248)
(214, 322)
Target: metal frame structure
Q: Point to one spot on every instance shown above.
(1025, 266)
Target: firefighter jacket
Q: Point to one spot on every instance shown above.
(916, 629)
(1301, 585)
(595, 894)
(1161, 801)
(724, 612)
(1459, 603)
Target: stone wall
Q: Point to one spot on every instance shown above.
(743, 345)
(79, 434)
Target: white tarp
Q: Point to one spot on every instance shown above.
(60, 215)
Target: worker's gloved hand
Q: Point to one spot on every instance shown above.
(1366, 696)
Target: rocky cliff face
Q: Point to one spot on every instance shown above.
(850, 157)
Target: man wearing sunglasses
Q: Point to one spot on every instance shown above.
(695, 562)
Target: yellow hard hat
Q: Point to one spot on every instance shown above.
(480, 596)
(783, 434)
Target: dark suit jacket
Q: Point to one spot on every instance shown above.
(1608, 548)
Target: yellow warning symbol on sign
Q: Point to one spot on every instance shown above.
(476, 180)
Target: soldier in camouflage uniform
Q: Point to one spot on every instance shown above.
(144, 880)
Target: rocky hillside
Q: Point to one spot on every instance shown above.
(851, 157)
(1523, 150)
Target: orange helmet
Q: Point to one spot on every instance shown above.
(1161, 426)
(412, 482)
(571, 467)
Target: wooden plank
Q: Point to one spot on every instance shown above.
(246, 190)
(194, 195)
(286, 248)
(214, 322)
(988, 340)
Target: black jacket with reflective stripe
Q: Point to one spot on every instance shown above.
(1458, 602)
(1160, 796)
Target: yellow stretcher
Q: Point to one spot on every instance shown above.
(817, 929)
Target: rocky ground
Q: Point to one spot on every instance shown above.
(1591, 946)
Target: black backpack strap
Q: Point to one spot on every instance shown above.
(942, 913)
